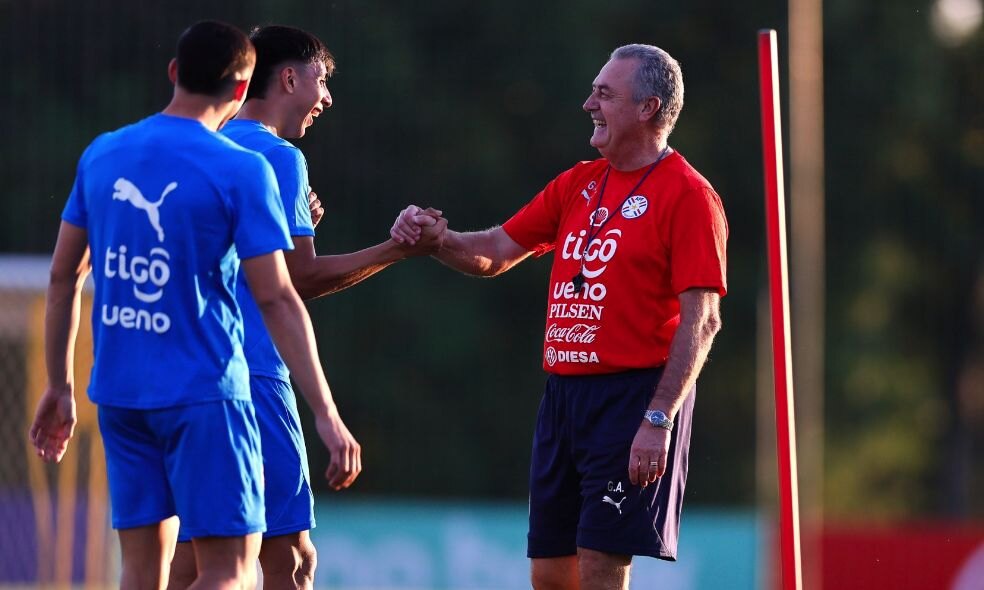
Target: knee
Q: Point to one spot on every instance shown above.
(550, 582)
(307, 561)
(289, 566)
(181, 579)
(554, 574)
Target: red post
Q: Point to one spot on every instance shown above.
(775, 229)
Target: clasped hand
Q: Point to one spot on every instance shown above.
(421, 231)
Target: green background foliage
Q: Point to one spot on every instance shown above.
(472, 108)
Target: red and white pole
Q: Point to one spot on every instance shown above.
(775, 230)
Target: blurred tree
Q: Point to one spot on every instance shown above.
(473, 107)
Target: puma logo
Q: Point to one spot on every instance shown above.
(124, 190)
(617, 505)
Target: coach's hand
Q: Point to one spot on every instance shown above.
(346, 454)
(650, 446)
(54, 423)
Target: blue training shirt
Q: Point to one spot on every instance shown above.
(167, 204)
(291, 170)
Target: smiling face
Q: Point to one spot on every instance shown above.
(307, 85)
(620, 123)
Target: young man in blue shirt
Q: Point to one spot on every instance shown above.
(163, 211)
(289, 90)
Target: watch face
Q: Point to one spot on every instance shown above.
(659, 419)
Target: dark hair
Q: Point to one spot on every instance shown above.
(210, 54)
(276, 44)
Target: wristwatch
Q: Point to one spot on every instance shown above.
(658, 419)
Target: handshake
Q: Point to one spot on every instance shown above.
(418, 232)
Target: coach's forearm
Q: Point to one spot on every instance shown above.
(700, 321)
(481, 253)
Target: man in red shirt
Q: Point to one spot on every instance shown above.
(632, 309)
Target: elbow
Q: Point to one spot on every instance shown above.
(274, 300)
(304, 289)
(66, 278)
(306, 282)
(712, 324)
(494, 268)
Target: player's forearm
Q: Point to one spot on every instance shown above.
(473, 253)
(290, 328)
(324, 275)
(61, 323)
(689, 349)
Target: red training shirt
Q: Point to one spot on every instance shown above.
(646, 248)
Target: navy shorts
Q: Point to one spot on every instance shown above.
(288, 496)
(199, 461)
(580, 494)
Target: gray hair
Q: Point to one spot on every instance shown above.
(658, 75)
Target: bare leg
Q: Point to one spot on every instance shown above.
(288, 562)
(603, 571)
(554, 573)
(184, 570)
(226, 563)
(146, 555)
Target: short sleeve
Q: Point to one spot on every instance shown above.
(698, 243)
(291, 170)
(260, 224)
(535, 226)
(76, 212)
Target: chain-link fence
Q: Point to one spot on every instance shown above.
(53, 521)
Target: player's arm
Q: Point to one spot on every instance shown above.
(700, 321)
(290, 328)
(55, 418)
(483, 253)
(314, 276)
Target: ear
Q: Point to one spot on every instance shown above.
(239, 90)
(288, 78)
(172, 71)
(649, 107)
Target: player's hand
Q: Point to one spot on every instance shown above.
(54, 423)
(346, 454)
(409, 223)
(317, 211)
(650, 445)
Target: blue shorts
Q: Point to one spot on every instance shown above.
(199, 461)
(288, 497)
(580, 494)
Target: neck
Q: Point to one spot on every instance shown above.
(262, 110)
(639, 156)
(209, 111)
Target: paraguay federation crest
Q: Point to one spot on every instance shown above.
(634, 207)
